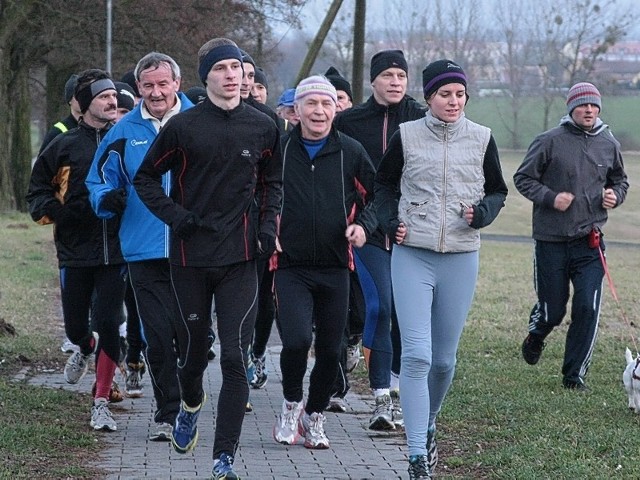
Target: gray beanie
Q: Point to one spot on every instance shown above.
(581, 94)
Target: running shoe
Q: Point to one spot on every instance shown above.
(101, 418)
(418, 467)
(223, 468)
(161, 432)
(312, 428)
(184, 435)
(259, 379)
(286, 429)
(382, 418)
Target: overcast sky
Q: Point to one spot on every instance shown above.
(315, 10)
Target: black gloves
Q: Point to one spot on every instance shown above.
(267, 244)
(186, 227)
(62, 215)
(115, 201)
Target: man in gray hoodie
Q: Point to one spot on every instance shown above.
(573, 174)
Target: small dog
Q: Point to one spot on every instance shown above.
(631, 379)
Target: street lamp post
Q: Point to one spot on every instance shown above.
(108, 65)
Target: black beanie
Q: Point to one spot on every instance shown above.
(387, 59)
(126, 96)
(338, 81)
(261, 78)
(70, 87)
(439, 73)
(196, 94)
(246, 58)
(130, 79)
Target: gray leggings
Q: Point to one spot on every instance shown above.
(433, 293)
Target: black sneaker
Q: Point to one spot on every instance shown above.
(418, 467)
(532, 348)
(432, 449)
(573, 385)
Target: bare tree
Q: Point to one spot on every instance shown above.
(409, 29)
(337, 50)
(571, 37)
(512, 19)
(428, 31)
(316, 44)
(69, 35)
(457, 29)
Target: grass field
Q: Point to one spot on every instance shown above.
(620, 113)
(503, 419)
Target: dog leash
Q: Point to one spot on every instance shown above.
(614, 294)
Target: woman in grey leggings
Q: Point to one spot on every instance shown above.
(439, 182)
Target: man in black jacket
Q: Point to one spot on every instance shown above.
(327, 181)
(372, 124)
(221, 155)
(88, 248)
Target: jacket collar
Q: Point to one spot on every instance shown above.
(568, 122)
(439, 127)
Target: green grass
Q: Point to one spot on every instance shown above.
(44, 433)
(505, 419)
(620, 113)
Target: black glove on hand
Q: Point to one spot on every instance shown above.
(53, 210)
(62, 215)
(115, 201)
(187, 226)
(267, 244)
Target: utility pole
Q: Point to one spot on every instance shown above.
(357, 80)
(317, 42)
(108, 54)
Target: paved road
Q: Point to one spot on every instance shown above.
(355, 453)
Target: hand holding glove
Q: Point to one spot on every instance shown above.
(115, 201)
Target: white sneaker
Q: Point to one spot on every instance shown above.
(101, 418)
(68, 346)
(312, 427)
(382, 418)
(161, 432)
(336, 405)
(286, 429)
(76, 367)
(78, 364)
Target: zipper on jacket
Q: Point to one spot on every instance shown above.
(105, 238)
(385, 127)
(443, 207)
(313, 208)
(105, 242)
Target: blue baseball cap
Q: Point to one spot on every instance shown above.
(287, 97)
